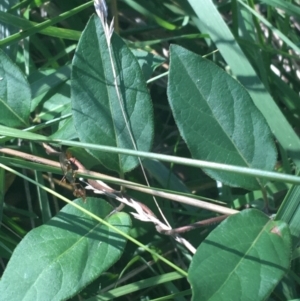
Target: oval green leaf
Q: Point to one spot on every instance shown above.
(15, 94)
(57, 260)
(217, 118)
(244, 258)
(97, 113)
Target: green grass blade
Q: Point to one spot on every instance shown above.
(173, 159)
(37, 28)
(51, 31)
(136, 286)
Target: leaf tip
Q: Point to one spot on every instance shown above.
(276, 230)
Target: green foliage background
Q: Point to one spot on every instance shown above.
(214, 85)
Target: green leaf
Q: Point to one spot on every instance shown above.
(210, 21)
(217, 118)
(242, 259)
(98, 117)
(57, 260)
(15, 94)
